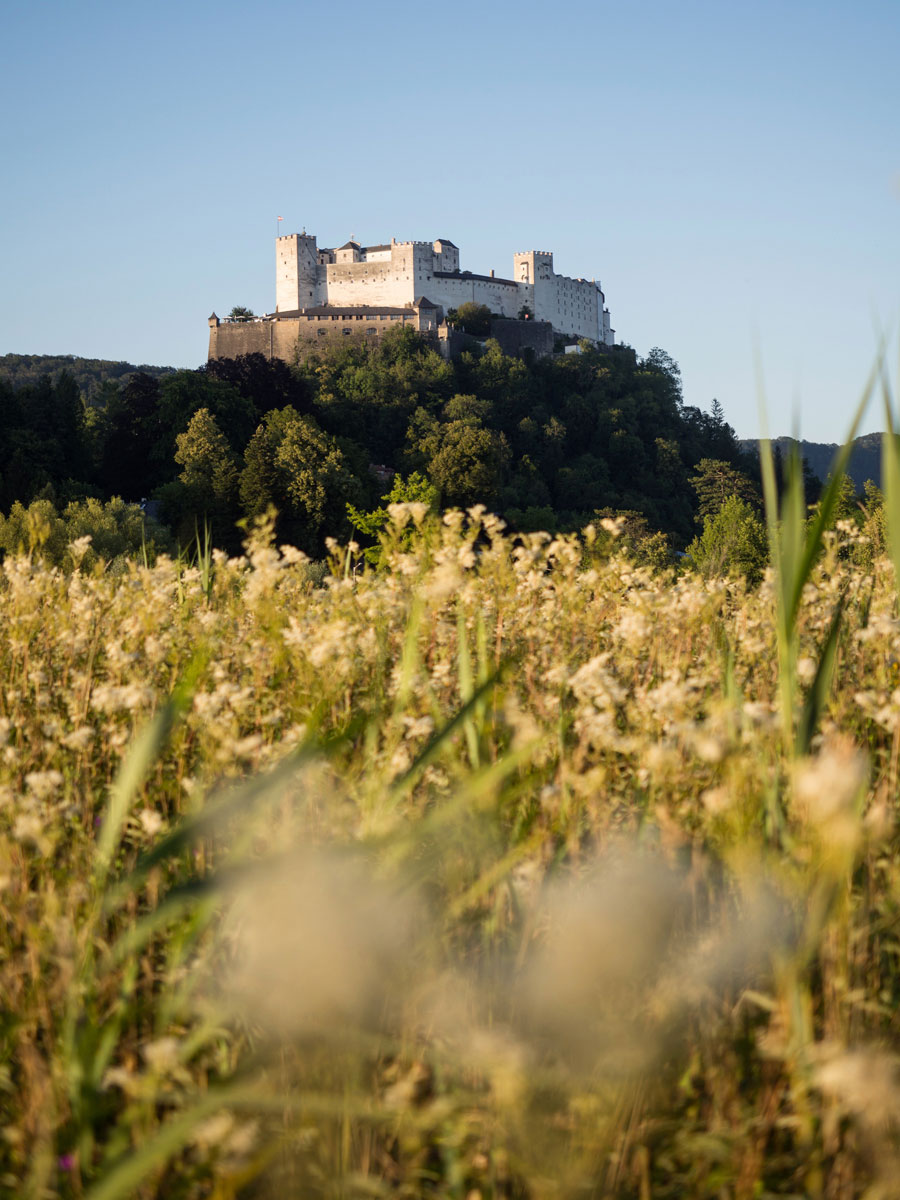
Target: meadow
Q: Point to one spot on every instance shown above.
(509, 868)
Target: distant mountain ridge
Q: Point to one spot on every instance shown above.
(865, 457)
(90, 373)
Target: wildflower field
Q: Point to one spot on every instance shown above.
(506, 869)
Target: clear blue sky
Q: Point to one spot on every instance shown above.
(730, 172)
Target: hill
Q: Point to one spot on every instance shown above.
(865, 457)
(90, 373)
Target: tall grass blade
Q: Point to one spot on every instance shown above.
(795, 545)
(820, 687)
(466, 683)
(123, 1179)
(137, 764)
(215, 812)
(434, 746)
(890, 478)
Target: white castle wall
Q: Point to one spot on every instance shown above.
(395, 276)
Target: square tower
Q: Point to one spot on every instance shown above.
(296, 259)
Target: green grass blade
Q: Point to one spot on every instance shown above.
(138, 762)
(435, 745)
(466, 682)
(123, 1179)
(134, 769)
(890, 478)
(821, 685)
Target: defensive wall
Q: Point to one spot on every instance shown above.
(288, 335)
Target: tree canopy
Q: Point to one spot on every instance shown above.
(551, 442)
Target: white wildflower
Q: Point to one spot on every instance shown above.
(151, 821)
(43, 784)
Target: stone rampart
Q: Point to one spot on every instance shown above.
(519, 338)
(285, 337)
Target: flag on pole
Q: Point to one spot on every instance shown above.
(281, 218)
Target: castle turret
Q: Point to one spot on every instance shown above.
(296, 259)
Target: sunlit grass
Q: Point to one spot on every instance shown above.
(509, 869)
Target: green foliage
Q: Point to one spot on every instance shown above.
(467, 463)
(414, 490)
(471, 318)
(209, 465)
(90, 374)
(206, 492)
(714, 481)
(733, 542)
(240, 311)
(291, 464)
(107, 532)
(559, 437)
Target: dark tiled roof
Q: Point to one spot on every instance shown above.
(423, 302)
(328, 310)
(386, 246)
(447, 242)
(470, 275)
(349, 246)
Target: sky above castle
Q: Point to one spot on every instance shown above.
(731, 173)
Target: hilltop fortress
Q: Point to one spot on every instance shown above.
(322, 292)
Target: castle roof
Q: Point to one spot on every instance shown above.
(331, 310)
(447, 242)
(423, 302)
(383, 246)
(472, 275)
(349, 246)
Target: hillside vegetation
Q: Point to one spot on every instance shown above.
(548, 444)
(863, 465)
(90, 374)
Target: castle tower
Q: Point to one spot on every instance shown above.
(533, 272)
(296, 259)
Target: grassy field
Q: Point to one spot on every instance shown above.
(508, 870)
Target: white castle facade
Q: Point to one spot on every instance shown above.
(401, 275)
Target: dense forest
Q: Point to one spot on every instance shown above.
(91, 374)
(547, 444)
(864, 462)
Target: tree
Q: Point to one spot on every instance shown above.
(293, 464)
(209, 464)
(714, 481)
(658, 360)
(468, 463)
(733, 542)
(184, 393)
(415, 489)
(474, 319)
(127, 465)
(240, 313)
(467, 408)
(205, 494)
(265, 383)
